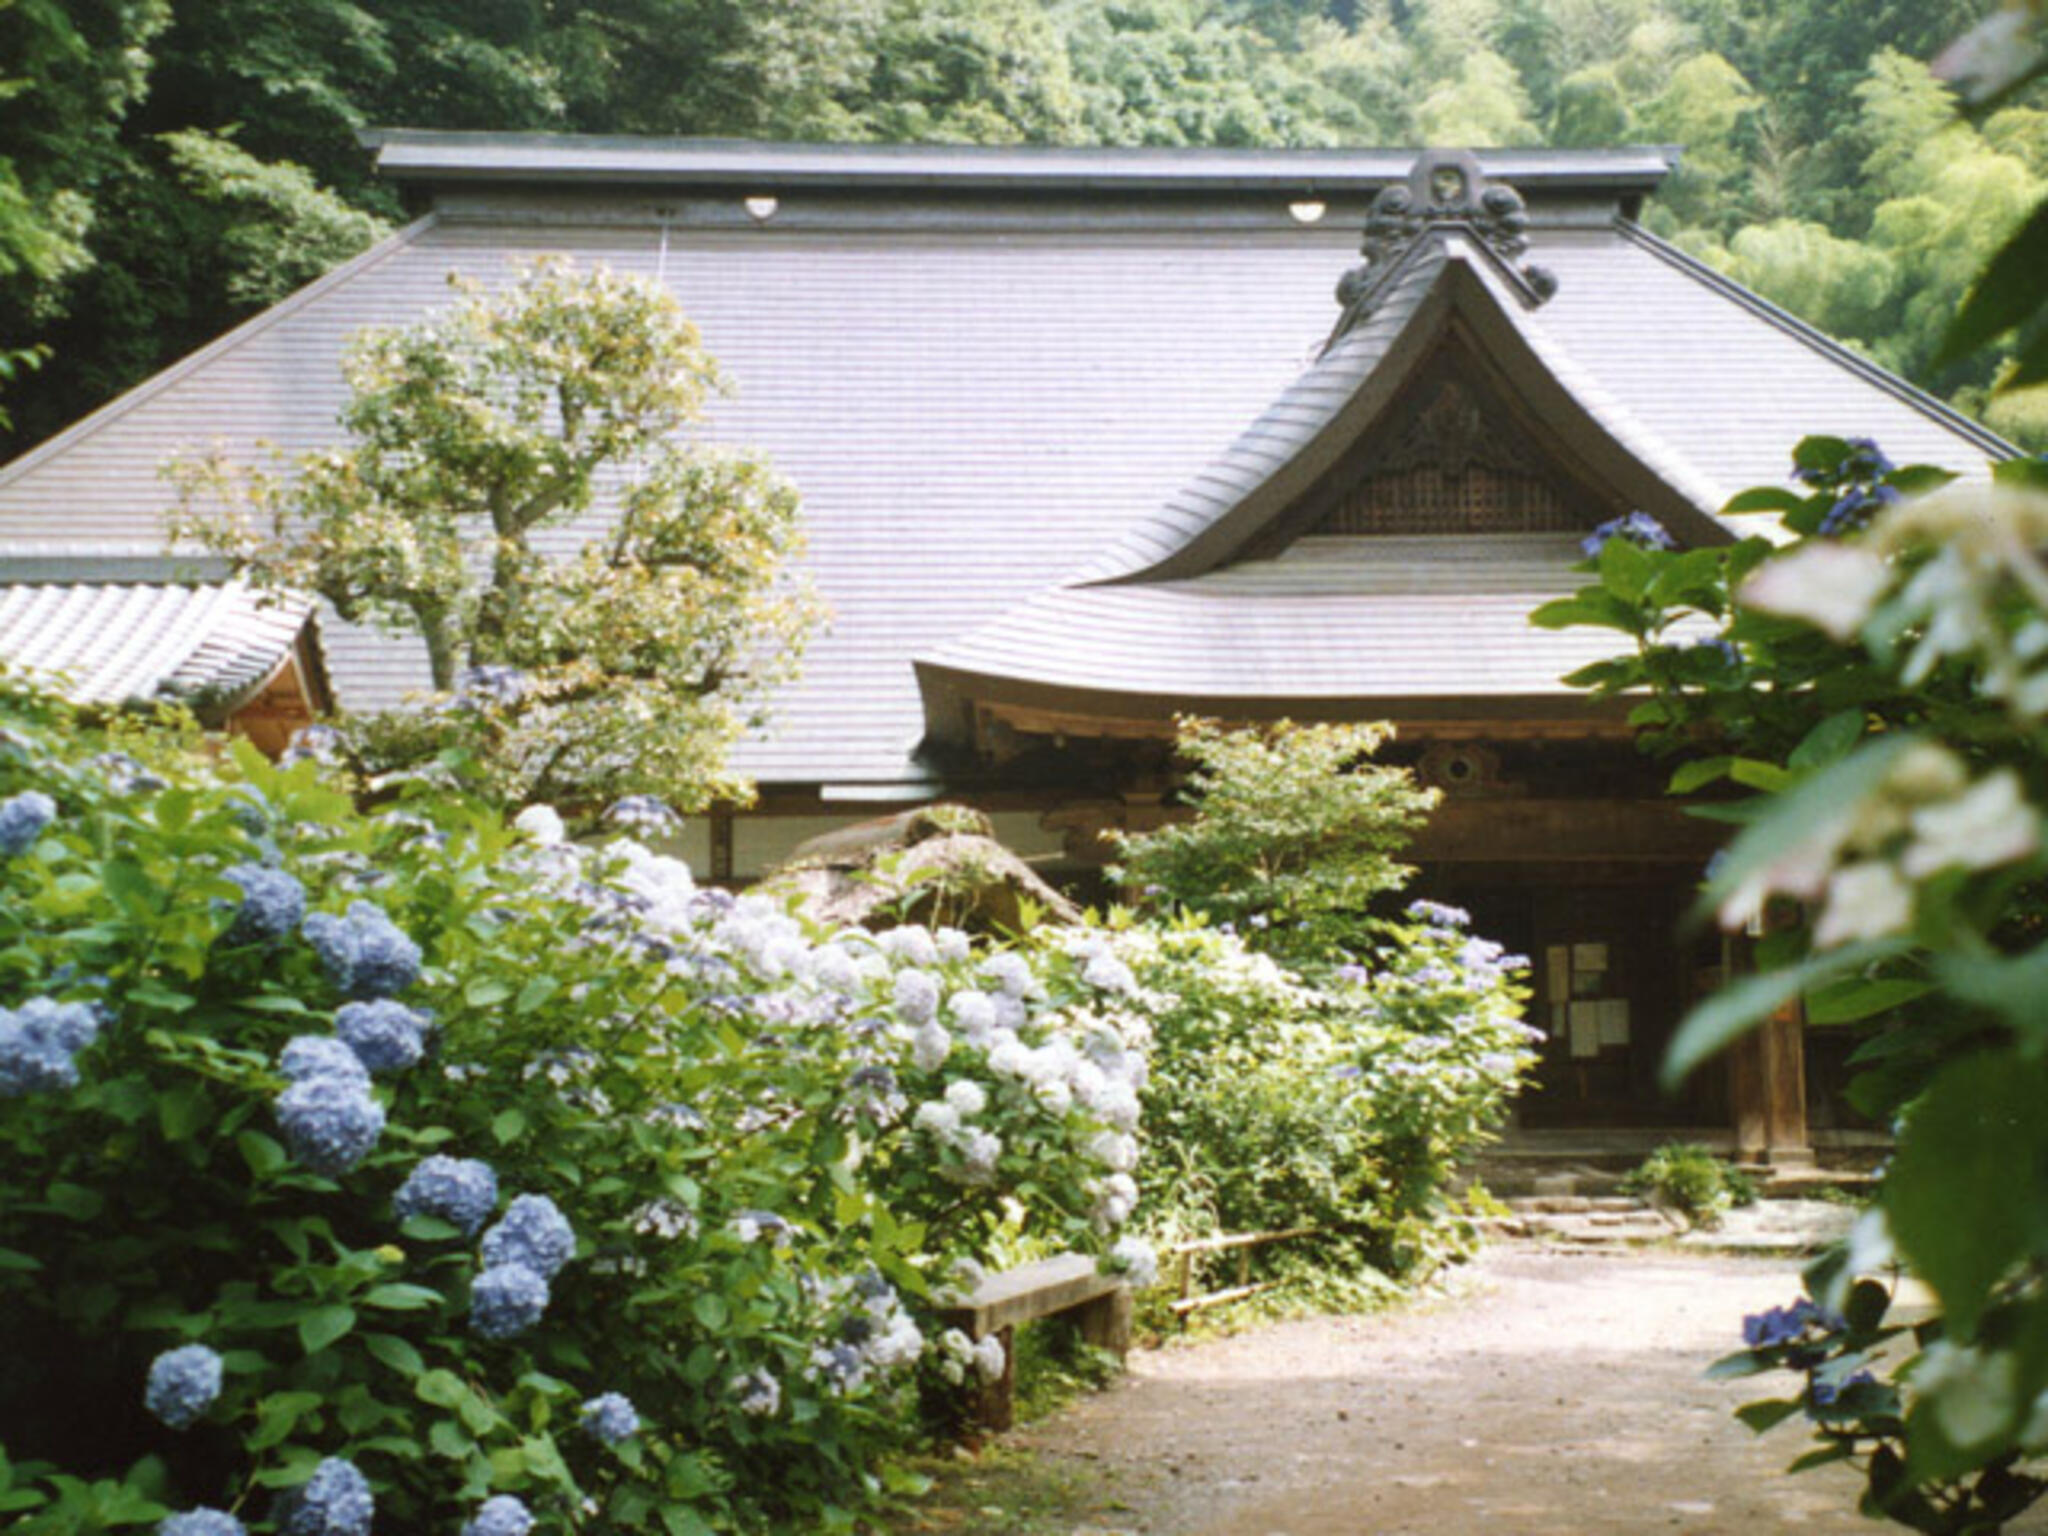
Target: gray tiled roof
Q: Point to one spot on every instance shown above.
(1362, 619)
(975, 407)
(114, 642)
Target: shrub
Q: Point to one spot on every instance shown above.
(1691, 1181)
(1345, 1107)
(460, 1148)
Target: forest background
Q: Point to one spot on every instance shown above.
(168, 167)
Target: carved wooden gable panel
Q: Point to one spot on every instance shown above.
(1457, 463)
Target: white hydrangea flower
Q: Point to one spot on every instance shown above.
(953, 945)
(1010, 1057)
(1055, 1095)
(1115, 1198)
(1110, 974)
(974, 1012)
(989, 1359)
(917, 996)
(1116, 1152)
(1011, 972)
(1866, 900)
(1133, 1258)
(1832, 586)
(1989, 824)
(930, 1047)
(966, 1097)
(1119, 1106)
(937, 1119)
(911, 944)
(541, 825)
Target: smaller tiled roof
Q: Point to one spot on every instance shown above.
(116, 642)
(1352, 620)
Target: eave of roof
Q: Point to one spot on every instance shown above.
(121, 642)
(537, 159)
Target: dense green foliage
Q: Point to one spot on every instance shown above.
(1821, 164)
(1880, 680)
(628, 670)
(245, 1026)
(772, 1144)
(1691, 1182)
(1341, 1106)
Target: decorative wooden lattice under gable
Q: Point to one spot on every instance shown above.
(1457, 464)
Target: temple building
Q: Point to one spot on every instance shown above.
(1085, 442)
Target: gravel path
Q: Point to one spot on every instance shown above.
(1559, 1392)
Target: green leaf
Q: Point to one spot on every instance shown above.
(75, 1201)
(399, 1297)
(1734, 1010)
(476, 1411)
(442, 1388)
(263, 1155)
(1838, 1450)
(1967, 1192)
(1752, 773)
(508, 1125)
(536, 992)
(1858, 998)
(389, 1349)
(2008, 293)
(2015, 988)
(152, 993)
(1829, 742)
(10, 1259)
(710, 1309)
(182, 1111)
(1688, 777)
(449, 1439)
(1766, 498)
(486, 991)
(323, 1325)
(278, 1415)
(1768, 1414)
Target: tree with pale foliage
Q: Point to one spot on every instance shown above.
(1295, 829)
(476, 437)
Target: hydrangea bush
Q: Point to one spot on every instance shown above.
(417, 1168)
(1878, 676)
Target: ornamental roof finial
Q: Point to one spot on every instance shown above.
(1446, 186)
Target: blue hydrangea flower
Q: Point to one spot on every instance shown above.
(386, 1036)
(183, 1384)
(1782, 1325)
(644, 813)
(330, 1123)
(1826, 1394)
(309, 1056)
(37, 1042)
(1639, 528)
(1435, 914)
(506, 1300)
(273, 902)
(611, 1418)
(532, 1233)
(500, 1516)
(201, 1522)
(460, 1190)
(476, 687)
(334, 1501)
(364, 954)
(22, 820)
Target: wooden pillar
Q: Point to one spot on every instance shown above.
(721, 845)
(1767, 1081)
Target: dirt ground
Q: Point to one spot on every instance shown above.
(1556, 1393)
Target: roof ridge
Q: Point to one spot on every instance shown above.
(1901, 389)
(228, 341)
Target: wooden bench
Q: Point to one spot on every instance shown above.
(1067, 1282)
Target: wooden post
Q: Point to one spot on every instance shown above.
(1767, 1080)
